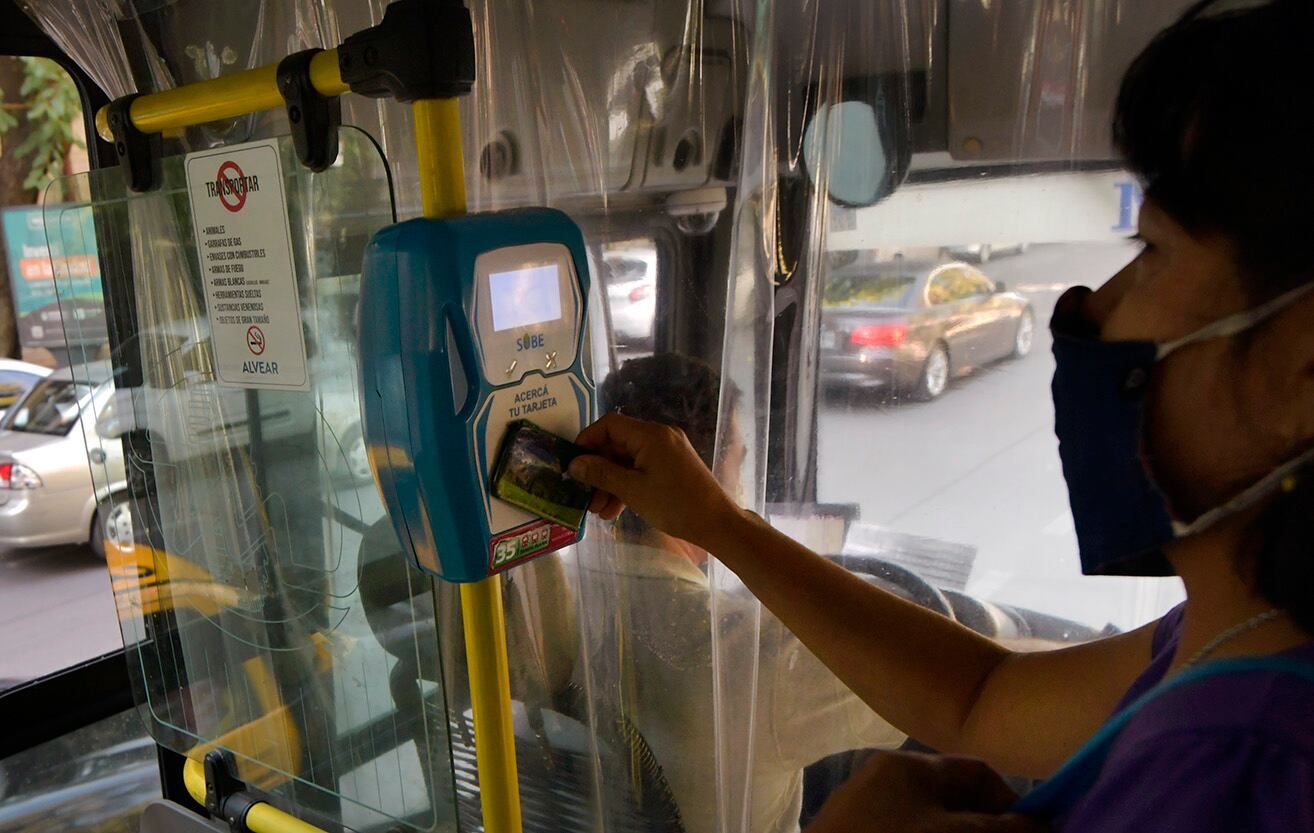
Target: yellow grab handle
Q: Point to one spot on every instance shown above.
(261, 818)
(222, 98)
(194, 779)
(266, 818)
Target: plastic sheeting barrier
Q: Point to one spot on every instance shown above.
(728, 224)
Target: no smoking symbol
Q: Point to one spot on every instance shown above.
(231, 184)
(255, 340)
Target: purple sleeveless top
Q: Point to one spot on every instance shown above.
(1223, 755)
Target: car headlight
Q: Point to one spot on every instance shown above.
(18, 476)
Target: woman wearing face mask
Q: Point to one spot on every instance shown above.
(1184, 397)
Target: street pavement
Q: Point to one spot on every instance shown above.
(979, 466)
(56, 610)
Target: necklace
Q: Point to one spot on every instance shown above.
(1232, 633)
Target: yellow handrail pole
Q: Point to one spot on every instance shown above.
(441, 160)
(222, 98)
(442, 194)
(261, 818)
(490, 697)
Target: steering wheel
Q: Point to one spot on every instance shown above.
(899, 580)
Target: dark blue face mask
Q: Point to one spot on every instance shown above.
(1123, 519)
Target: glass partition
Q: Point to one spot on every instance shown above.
(232, 512)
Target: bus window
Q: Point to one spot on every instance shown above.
(935, 416)
(56, 606)
(628, 274)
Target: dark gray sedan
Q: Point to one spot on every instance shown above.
(909, 328)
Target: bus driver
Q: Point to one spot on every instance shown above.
(803, 713)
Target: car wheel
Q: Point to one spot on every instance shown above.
(935, 374)
(112, 526)
(357, 455)
(1025, 336)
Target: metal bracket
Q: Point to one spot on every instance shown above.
(421, 49)
(139, 153)
(315, 118)
(225, 796)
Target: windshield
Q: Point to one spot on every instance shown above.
(51, 408)
(878, 290)
(13, 384)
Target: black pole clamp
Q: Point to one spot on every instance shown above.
(226, 797)
(315, 118)
(420, 49)
(138, 152)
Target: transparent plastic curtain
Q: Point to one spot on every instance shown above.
(615, 112)
(1011, 193)
(708, 149)
(575, 104)
(917, 180)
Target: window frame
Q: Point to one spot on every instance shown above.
(72, 698)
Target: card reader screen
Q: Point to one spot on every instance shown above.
(525, 296)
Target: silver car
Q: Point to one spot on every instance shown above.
(16, 379)
(47, 494)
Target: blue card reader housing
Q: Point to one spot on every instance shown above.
(465, 325)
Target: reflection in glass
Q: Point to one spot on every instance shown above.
(629, 276)
(52, 406)
(99, 777)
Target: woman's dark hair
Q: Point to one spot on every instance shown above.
(671, 389)
(1214, 116)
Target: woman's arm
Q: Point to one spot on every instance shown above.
(940, 682)
(931, 677)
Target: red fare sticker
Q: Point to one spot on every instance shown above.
(526, 542)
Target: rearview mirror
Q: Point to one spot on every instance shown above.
(845, 154)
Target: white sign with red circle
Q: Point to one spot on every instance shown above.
(255, 340)
(244, 249)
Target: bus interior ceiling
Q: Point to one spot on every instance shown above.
(728, 163)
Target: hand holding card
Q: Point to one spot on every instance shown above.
(531, 474)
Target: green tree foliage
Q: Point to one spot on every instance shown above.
(49, 101)
(7, 120)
